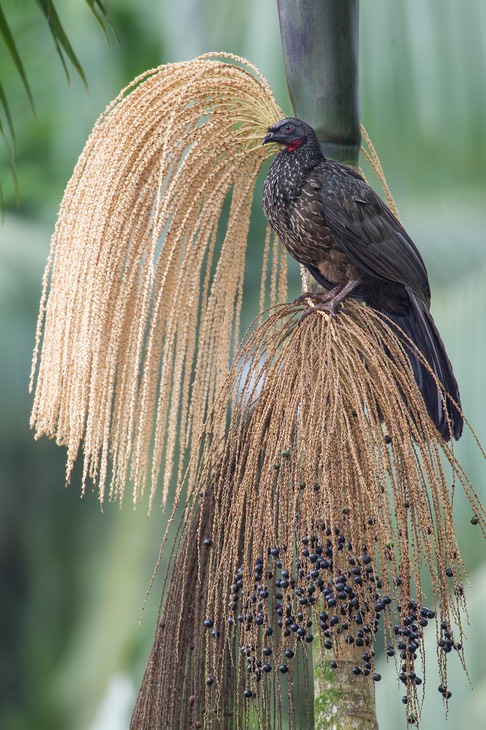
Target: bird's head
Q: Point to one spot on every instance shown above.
(289, 132)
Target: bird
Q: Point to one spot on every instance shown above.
(335, 224)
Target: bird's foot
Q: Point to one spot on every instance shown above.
(327, 302)
(329, 307)
(305, 296)
(318, 297)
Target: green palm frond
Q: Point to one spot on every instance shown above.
(11, 46)
(61, 41)
(100, 11)
(66, 54)
(10, 144)
(8, 116)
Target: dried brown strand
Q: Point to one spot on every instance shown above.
(328, 444)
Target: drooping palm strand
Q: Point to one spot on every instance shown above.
(328, 497)
(371, 155)
(142, 291)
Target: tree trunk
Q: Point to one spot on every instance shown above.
(342, 699)
(320, 47)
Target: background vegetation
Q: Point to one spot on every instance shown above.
(74, 578)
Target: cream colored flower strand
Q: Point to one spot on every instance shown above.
(140, 305)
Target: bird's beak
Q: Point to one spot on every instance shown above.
(268, 138)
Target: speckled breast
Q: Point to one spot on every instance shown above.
(298, 220)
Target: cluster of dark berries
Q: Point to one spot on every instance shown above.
(352, 604)
(277, 597)
(446, 642)
(409, 635)
(447, 694)
(252, 604)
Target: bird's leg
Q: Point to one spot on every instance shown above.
(319, 297)
(330, 301)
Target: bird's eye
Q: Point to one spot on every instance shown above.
(289, 128)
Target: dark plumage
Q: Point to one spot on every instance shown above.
(334, 223)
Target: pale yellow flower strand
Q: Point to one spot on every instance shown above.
(142, 290)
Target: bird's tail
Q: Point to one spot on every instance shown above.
(419, 326)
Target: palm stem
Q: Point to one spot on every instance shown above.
(320, 47)
(342, 699)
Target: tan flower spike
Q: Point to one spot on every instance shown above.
(142, 290)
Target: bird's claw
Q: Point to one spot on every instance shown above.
(316, 296)
(304, 296)
(327, 307)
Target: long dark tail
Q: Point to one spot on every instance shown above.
(419, 326)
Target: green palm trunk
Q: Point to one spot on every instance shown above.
(320, 46)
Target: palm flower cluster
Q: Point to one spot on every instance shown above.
(313, 513)
(135, 335)
(142, 291)
(317, 486)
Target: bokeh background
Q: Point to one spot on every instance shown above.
(72, 651)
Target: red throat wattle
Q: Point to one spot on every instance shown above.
(291, 146)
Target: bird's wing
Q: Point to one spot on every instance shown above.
(366, 230)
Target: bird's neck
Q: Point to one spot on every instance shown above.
(291, 167)
(307, 155)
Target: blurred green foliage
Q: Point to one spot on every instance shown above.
(74, 578)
